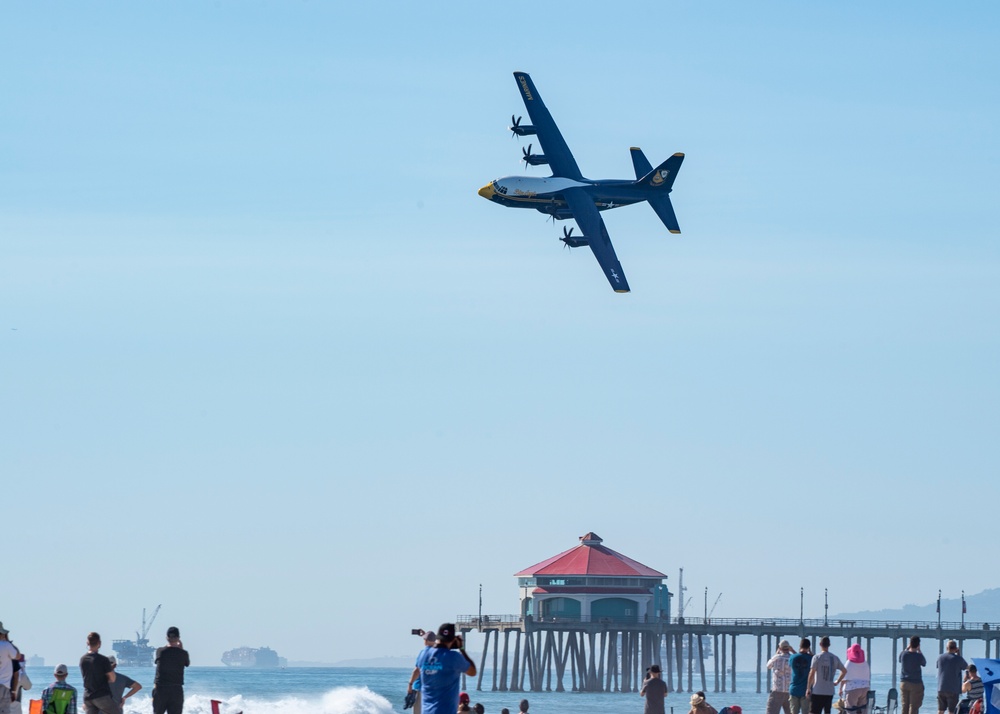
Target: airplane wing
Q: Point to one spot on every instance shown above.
(589, 219)
(554, 146)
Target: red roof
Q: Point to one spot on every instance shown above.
(591, 558)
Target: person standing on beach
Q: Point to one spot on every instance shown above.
(59, 697)
(97, 679)
(800, 665)
(8, 653)
(654, 689)
(820, 689)
(911, 680)
(429, 639)
(168, 683)
(441, 669)
(781, 680)
(856, 680)
(950, 666)
(121, 683)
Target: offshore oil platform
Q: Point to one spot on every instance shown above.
(137, 652)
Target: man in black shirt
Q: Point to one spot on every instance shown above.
(654, 689)
(168, 686)
(97, 678)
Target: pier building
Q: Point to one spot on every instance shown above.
(597, 618)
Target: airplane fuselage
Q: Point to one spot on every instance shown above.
(545, 193)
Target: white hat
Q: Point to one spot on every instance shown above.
(61, 670)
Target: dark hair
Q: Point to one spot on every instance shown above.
(505, 710)
(825, 642)
(479, 708)
(805, 644)
(93, 639)
(523, 706)
(915, 641)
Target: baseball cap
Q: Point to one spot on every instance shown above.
(112, 659)
(446, 631)
(173, 632)
(3, 631)
(61, 670)
(429, 636)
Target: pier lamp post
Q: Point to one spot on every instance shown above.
(939, 609)
(802, 596)
(826, 606)
(963, 609)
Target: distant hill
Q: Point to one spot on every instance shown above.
(981, 607)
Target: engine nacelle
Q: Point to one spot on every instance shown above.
(520, 129)
(535, 159)
(575, 242)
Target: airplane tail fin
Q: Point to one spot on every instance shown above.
(640, 162)
(665, 210)
(663, 176)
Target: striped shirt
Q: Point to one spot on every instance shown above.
(975, 689)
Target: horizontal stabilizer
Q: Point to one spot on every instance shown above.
(665, 210)
(663, 176)
(640, 162)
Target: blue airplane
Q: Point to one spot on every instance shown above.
(567, 194)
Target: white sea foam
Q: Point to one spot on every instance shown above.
(342, 700)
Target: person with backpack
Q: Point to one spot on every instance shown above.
(59, 698)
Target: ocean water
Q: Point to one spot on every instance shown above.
(335, 690)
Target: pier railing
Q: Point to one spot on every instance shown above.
(786, 624)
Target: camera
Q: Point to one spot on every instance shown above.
(417, 632)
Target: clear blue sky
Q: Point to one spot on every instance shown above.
(269, 360)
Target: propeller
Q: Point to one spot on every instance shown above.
(527, 155)
(567, 237)
(514, 124)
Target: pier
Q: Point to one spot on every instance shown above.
(610, 654)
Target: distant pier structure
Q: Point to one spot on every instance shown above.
(593, 619)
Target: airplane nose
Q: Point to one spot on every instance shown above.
(487, 191)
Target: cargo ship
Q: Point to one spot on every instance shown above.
(257, 657)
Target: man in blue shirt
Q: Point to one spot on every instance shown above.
(441, 669)
(800, 664)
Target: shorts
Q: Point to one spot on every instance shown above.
(4, 699)
(949, 701)
(799, 704)
(168, 699)
(820, 703)
(104, 705)
(776, 701)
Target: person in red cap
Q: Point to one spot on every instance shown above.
(463, 703)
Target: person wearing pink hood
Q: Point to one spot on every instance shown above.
(855, 680)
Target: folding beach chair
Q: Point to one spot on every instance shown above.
(891, 703)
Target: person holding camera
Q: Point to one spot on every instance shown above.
(413, 693)
(440, 670)
(654, 689)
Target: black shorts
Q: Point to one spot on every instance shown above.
(168, 699)
(820, 703)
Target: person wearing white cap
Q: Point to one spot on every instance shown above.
(121, 683)
(59, 698)
(781, 679)
(8, 653)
